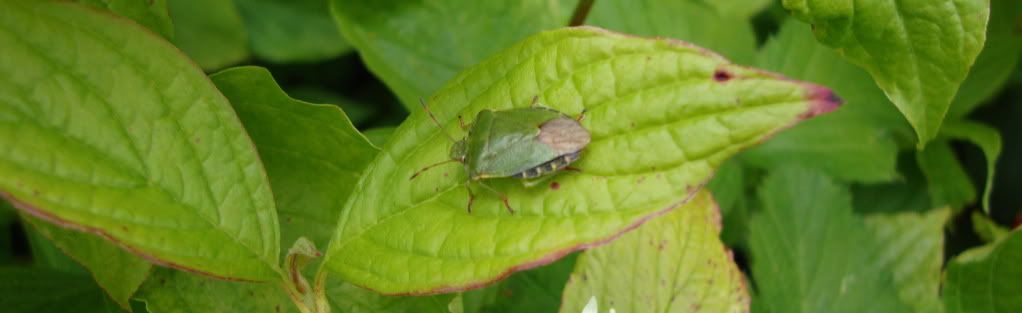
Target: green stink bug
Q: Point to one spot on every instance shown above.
(523, 143)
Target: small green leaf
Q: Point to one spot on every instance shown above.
(729, 189)
(986, 228)
(996, 63)
(986, 279)
(855, 143)
(170, 291)
(348, 298)
(416, 46)
(688, 20)
(46, 254)
(313, 155)
(118, 272)
(918, 51)
(211, 32)
(811, 253)
(25, 290)
(292, 31)
(152, 14)
(107, 128)
(948, 182)
(913, 247)
(675, 263)
(534, 290)
(988, 139)
(645, 100)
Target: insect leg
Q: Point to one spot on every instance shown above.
(503, 197)
(581, 115)
(437, 123)
(428, 167)
(535, 101)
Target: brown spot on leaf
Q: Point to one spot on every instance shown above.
(555, 186)
(722, 75)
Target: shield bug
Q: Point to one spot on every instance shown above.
(523, 143)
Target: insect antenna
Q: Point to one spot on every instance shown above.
(435, 122)
(428, 167)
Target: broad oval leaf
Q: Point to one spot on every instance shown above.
(675, 263)
(918, 51)
(663, 115)
(109, 129)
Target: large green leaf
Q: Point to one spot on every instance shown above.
(989, 141)
(918, 51)
(118, 272)
(107, 128)
(698, 23)
(675, 263)
(811, 253)
(986, 279)
(986, 228)
(152, 14)
(292, 31)
(313, 155)
(855, 143)
(211, 32)
(416, 46)
(913, 247)
(997, 61)
(24, 290)
(663, 115)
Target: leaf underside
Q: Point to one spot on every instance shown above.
(663, 115)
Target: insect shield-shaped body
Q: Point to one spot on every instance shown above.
(523, 143)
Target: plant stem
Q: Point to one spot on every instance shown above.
(581, 12)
